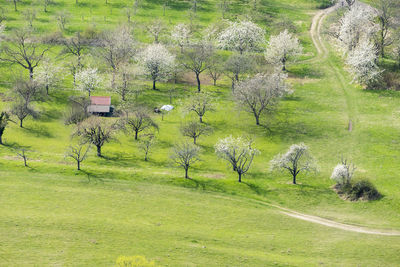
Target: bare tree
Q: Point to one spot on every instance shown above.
(124, 81)
(155, 29)
(116, 49)
(146, 144)
(128, 11)
(196, 58)
(62, 17)
(29, 15)
(78, 153)
(45, 4)
(224, 6)
(185, 155)
(75, 46)
(139, 121)
(199, 103)
(215, 69)
(15, 3)
(387, 13)
(194, 130)
(77, 111)
(261, 92)
(297, 159)
(24, 50)
(96, 131)
(238, 152)
(22, 110)
(237, 65)
(22, 154)
(4, 120)
(27, 90)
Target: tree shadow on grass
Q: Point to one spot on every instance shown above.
(92, 177)
(256, 189)
(39, 131)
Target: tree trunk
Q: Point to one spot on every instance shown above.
(47, 89)
(1, 139)
(79, 165)
(240, 177)
(294, 178)
(98, 151)
(201, 119)
(194, 140)
(15, 5)
(257, 119)
(145, 156)
(198, 82)
(215, 82)
(136, 135)
(31, 73)
(20, 123)
(154, 85)
(186, 173)
(284, 64)
(26, 165)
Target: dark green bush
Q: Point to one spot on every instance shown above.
(325, 4)
(358, 190)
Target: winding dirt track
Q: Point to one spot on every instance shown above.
(323, 54)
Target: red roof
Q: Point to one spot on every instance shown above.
(100, 100)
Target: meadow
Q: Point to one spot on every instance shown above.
(120, 204)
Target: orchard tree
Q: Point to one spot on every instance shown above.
(124, 81)
(185, 155)
(77, 110)
(387, 15)
(343, 173)
(88, 80)
(146, 145)
(4, 120)
(29, 15)
(196, 59)
(281, 48)
(155, 29)
(15, 4)
(297, 159)
(237, 65)
(194, 130)
(238, 152)
(22, 110)
(355, 25)
(158, 62)
(45, 4)
(27, 90)
(261, 93)
(78, 153)
(180, 35)
(48, 74)
(116, 48)
(96, 131)
(215, 69)
(139, 121)
(362, 62)
(241, 36)
(24, 50)
(75, 46)
(62, 17)
(199, 103)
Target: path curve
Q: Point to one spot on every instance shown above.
(323, 53)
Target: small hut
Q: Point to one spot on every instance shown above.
(101, 105)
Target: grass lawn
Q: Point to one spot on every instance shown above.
(51, 214)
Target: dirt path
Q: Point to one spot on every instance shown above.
(321, 58)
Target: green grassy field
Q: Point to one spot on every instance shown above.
(51, 214)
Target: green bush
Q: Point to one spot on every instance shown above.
(358, 190)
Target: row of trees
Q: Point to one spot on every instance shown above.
(364, 33)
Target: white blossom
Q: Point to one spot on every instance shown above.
(157, 61)
(241, 36)
(261, 92)
(343, 172)
(88, 80)
(295, 160)
(282, 47)
(48, 74)
(180, 35)
(238, 152)
(362, 62)
(355, 25)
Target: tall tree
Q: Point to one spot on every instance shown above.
(185, 155)
(261, 92)
(387, 12)
(158, 62)
(24, 50)
(199, 103)
(78, 153)
(194, 130)
(196, 58)
(75, 46)
(139, 121)
(238, 152)
(237, 65)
